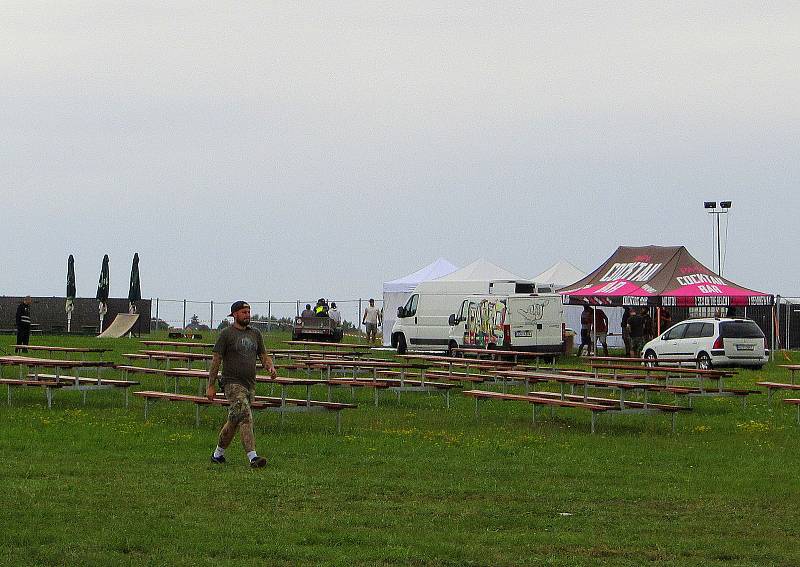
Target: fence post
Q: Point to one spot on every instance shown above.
(184, 313)
(157, 319)
(269, 310)
(212, 315)
(359, 314)
(298, 308)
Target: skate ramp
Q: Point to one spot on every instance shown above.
(120, 326)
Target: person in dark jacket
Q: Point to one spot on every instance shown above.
(24, 323)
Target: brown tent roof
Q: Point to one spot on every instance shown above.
(659, 275)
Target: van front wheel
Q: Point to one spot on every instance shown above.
(452, 345)
(401, 344)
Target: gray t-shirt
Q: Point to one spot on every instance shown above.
(239, 350)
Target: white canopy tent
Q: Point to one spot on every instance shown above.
(397, 292)
(479, 271)
(562, 274)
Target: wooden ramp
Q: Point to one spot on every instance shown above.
(120, 326)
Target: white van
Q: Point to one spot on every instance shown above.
(532, 322)
(423, 323)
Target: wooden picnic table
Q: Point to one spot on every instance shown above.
(668, 372)
(791, 368)
(659, 361)
(343, 346)
(168, 355)
(59, 369)
(621, 386)
(494, 353)
(263, 403)
(187, 344)
(68, 350)
(450, 362)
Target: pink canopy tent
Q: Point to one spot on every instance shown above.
(663, 276)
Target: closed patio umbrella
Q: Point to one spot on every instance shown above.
(102, 290)
(135, 289)
(70, 306)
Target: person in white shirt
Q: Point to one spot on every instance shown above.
(334, 314)
(371, 320)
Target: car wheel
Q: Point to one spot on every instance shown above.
(652, 359)
(704, 361)
(401, 344)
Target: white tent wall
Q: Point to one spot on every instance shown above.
(572, 317)
(397, 292)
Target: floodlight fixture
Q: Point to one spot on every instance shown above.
(710, 204)
(725, 204)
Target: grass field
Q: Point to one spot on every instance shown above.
(406, 483)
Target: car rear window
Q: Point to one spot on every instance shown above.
(740, 330)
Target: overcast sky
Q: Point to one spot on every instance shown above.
(263, 151)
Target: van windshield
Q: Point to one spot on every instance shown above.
(740, 330)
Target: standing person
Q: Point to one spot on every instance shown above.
(237, 348)
(23, 320)
(586, 330)
(321, 308)
(601, 328)
(307, 312)
(626, 334)
(334, 314)
(636, 324)
(370, 320)
(666, 320)
(648, 324)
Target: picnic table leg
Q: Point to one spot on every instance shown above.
(621, 398)
(376, 396)
(308, 395)
(338, 421)
(329, 392)
(126, 397)
(146, 400)
(283, 400)
(197, 415)
(769, 395)
(9, 395)
(447, 398)
(49, 394)
(476, 410)
(594, 416)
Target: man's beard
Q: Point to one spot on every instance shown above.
(243, 321)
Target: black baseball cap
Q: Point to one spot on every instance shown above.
(238, 305)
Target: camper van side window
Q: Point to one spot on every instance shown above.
(462, 316)
(411, 305)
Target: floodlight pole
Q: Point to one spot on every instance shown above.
(724, 206)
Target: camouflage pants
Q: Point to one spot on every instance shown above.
(240, 399)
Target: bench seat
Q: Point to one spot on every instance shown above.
(593, 404)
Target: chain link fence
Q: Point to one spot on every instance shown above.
(199, 315)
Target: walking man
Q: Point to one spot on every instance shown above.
(237, 348)
(371, 319)
(23, 320)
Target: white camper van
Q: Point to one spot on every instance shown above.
(424, 322)
(532, 322)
